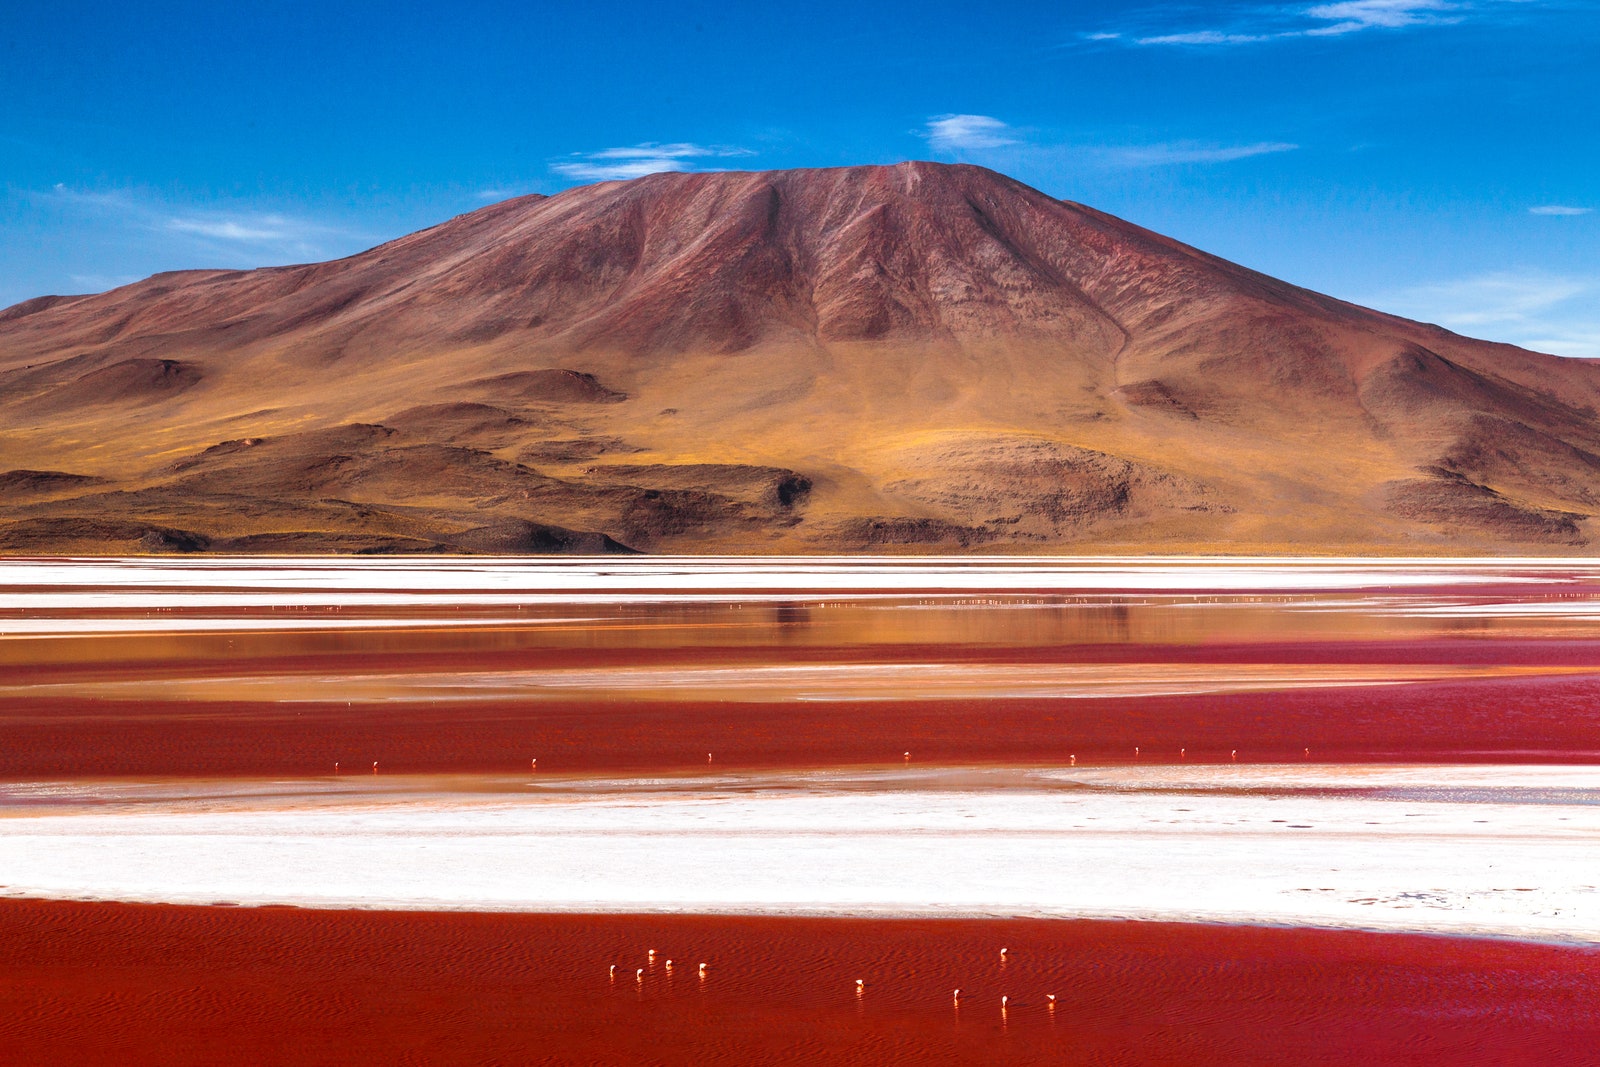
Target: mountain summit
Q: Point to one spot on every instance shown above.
(916, 357)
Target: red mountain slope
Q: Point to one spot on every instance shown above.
(861, 358)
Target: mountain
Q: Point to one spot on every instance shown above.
(920, 357)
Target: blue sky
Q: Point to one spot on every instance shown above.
(1437, 158)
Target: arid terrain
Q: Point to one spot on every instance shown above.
(913, 358)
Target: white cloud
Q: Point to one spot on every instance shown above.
(100, 201)
(958, 133)
(966, 134)
(1351, 15)
(1559, 209)
(1497, 297)
(257, 235)
(1161, 155)
(1580, 341)
(247, 228)
(1316, 20)
(1535, 309)
(613, 164)
(1206, 37)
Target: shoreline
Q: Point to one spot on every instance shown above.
(1469, 935)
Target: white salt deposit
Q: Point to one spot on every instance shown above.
(1482, 850)
(52, 582)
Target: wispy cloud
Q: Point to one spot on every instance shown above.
(1498, 297)
(612, 164)
(112, 201)
(1559, 209)
(1349, 16)
(1205, 37)
(1536, 309)
(1253, 25)
(959, 133)
(1162, 155)
(249, 228)
(968, 136)
(257, 235)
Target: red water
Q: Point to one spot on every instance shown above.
(111, 983)
(1550, 712)
(1520, 720)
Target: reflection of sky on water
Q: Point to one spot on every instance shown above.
(833, 682)
(784, 629)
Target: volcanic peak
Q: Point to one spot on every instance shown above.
(939, 354)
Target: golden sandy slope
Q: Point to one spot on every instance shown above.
(905, 358)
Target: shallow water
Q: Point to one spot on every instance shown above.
(251, 667)
(117, 983)
(1406, 745)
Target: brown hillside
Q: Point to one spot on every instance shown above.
(912, 358)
